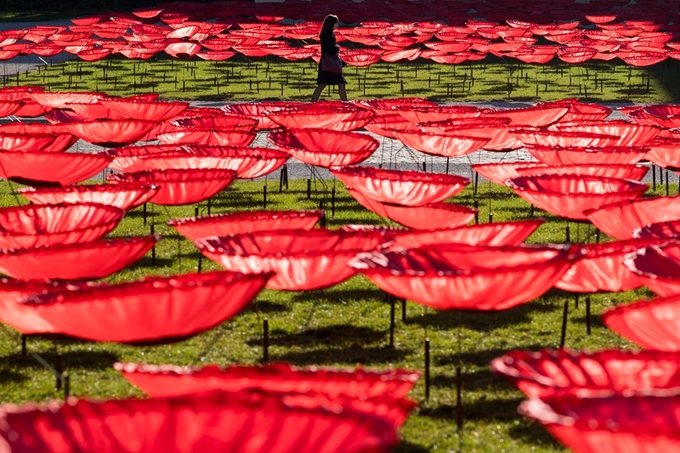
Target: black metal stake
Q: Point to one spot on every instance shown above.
(264, 196)
(567, 234)
(667, 188)
(476, 212)
(153, 248)
(333, 201)
(576, 301)
(653, 178)
(67, 385)
(209, 206)
(447, 165)
(144, 213)
(459, 397)
(23, 344)
(427, 369)
(563, 338)
(265, 341)
(196, 211)
(531, 211)
(424, 165)
(309, 188)
(588, 314)
(59, 368)
(391, 302)
(403, 310)
(200, 263)
(491, 217)
(597, 236)
(476, 182)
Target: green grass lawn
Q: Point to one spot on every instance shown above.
(342, 326)
(241, 79)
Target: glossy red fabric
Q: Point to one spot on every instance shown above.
(630, 134)
(75, 261)
(461, 277)
(569, 196)
(169, 380)
(663, 152)
(580, 111)
(621, 219)
(18, 315)
(602, 268)
(582, 155)
(224, 421)
(247, 162)
(328, 115)
(62, 140)
(9, 107)
(323, 147)
(452, 144)
(610, 423)
(258, 111)
(427, 113)
(651, 324)
(123, 195)
(218, 121)
(501, 172)
(60, 99)
(111, 133)
(408, 188)
(668, 229)
(39, 169)
(536, 116)
(302, 260)
(179, 187)
(486, 234)
(94, 111)
(140, 110)
(552, 139)
(194, 228)
(36, 226)
(213, 137)
(25, 142)
(183, 306)
(548, 372)
(430, 216)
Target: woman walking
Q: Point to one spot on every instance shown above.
(330, 65)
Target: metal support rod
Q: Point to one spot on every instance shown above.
(653, 178)
(588, 315)
(392, 316)
(565, 313)
(23, 344)
(153, 248)
(459, 397)
(144, 213)
(476, 182)
(59, 368)
(264, 196)
(209, 206)
(490, 217)
(576, 301)
(265, 341)
(476, 212)
(309, 188)
(427, 369)
(403, 310)
(447, 165)
(67, 385)
(567, 235)
(333, 201)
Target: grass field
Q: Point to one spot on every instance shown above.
(343, 326)
(241, 79)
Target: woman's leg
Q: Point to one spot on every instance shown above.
(317, 92)
(342, 92)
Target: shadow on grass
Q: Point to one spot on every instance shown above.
(263, 306)
(338, 335)
(340, 295)
(351, 356)
(409, 447)
(480, 358)
(7, 376)
(482, 321)
(91, 360)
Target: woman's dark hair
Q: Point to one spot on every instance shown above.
(327, 26)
